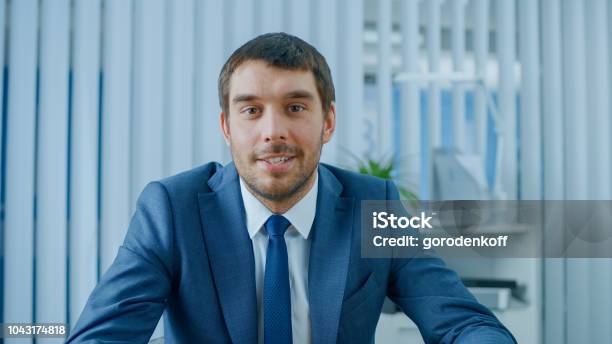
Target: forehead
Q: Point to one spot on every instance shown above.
(258, 78)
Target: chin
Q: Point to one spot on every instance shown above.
(275, 191)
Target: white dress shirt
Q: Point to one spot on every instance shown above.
(301, 216)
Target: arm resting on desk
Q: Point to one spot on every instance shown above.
(130, 298)
(434, 297)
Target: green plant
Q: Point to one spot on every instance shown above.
(384, 168)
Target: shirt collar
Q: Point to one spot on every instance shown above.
(301, 215)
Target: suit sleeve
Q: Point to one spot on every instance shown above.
(433, 296)
(130, 298)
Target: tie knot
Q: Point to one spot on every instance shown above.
(276, 225)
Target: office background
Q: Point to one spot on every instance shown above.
(101, 96)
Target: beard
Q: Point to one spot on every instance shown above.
(280, 193)
(277, 186)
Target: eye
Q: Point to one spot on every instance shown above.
(251, 110)
(296, 108)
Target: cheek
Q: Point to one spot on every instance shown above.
(309, 140)
(241, 135)
(312, 132)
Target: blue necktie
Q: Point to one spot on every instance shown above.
(277, 298)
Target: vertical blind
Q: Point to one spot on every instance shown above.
(102, 96)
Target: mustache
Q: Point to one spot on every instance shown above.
(276, 149)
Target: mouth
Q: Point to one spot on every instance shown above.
(276, 164)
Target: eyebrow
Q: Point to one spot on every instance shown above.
(298, 94)
(244, 98)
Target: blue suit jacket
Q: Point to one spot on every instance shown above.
(187, 251)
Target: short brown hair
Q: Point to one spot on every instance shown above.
(283, 51)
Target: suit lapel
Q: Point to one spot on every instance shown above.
(231, 254)
(329, 257)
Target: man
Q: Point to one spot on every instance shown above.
(267, 248)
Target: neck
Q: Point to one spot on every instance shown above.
(281, 206)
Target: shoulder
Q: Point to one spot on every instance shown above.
(194, 180)
(184, 185)
(360, 186)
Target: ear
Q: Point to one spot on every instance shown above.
(329, 126)
(225, 128)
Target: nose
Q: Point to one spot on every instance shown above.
(274, 126)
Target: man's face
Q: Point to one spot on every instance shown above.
(275, 128)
